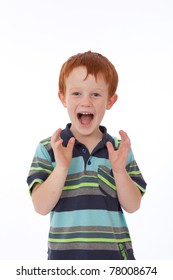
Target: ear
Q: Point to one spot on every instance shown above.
(62, 98)
(111, 101)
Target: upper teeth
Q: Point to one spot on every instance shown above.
(85, 113)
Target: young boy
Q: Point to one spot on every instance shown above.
(81, 175)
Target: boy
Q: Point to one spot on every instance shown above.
(81, 175)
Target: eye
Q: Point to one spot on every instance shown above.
(95, 94)
(76, 93)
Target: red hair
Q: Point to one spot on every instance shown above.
(95, 64)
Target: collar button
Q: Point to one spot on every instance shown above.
(84, 151)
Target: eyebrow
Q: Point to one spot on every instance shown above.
(80, 89)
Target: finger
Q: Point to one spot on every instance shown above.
(56, 135)
(125, 140)
(56, 139)
(70, 144)
(109, 147)
(124, 136)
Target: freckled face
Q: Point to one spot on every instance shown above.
(86, 101)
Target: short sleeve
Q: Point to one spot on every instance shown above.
(135, 173)
(41, 165)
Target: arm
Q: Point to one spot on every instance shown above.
(46, 195)
(128, 193)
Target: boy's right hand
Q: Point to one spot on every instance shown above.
(63, 155)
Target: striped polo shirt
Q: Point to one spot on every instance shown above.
(87, 222)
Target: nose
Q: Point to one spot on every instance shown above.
(86, 101)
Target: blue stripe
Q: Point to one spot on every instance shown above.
(42, 153)
(96, 162)
(87, 218)
(130, 157)
(78, 164)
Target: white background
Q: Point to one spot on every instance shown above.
(36, 37)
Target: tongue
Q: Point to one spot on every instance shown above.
(86, 119)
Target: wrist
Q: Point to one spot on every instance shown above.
(60, 170)
(119, 173)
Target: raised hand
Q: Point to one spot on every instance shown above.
(118, 158)
(63, 155)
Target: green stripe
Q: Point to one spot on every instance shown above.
(134, 172)
(39, 181)
(46, 142)
(85, 240)
(40, 169)
(112, 186)
(116, 142)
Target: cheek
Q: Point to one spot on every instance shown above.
(102, 107)
(101, 111)
(71, 108)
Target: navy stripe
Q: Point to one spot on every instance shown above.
(88, 255)
(140, 181)
(88, 202)
(37, 175)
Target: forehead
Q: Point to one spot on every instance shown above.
(79, 76)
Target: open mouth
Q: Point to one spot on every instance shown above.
(85, 118)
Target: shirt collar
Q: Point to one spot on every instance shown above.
(66, 134)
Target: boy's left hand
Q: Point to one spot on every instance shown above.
(118, 158)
